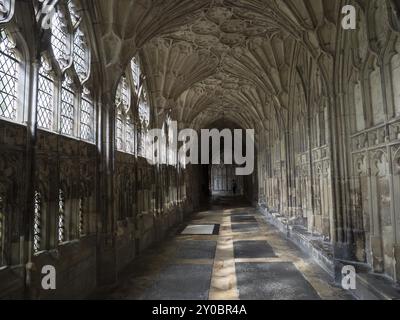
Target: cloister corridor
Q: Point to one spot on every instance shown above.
(199, 150)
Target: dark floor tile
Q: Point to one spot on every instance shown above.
(196, 249)
(253, 250)
(181, 282)
(273, 281)
(239, 219)
(245, 227)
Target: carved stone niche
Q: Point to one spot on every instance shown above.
(6, 10)
(360, 142)
(377, 137)
(360, 167)
(379, 164)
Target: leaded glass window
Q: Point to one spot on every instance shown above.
(120, 132)
(123, 123)
(144, 118)
(45, 112)
(132, 125)
(144, 109)
(144, 144)
(8, 77)
(123, 94)
(172, 156)
(141, 150)
(146, 152)
(74, 112)
(67, 108)
(130, 137)
(80, 54)
(37, 223)
(60, 38)
(135, 73)
(87, 119)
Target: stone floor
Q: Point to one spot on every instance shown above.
(242, 257)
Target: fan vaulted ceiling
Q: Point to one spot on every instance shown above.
(210, 59)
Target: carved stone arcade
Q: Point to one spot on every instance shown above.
(325, 104)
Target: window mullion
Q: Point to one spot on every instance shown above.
(58, 106)
(77, 115)
(125, 145)
(55, 105)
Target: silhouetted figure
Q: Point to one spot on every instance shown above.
(234, 187)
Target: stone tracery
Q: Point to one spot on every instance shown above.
(325, 104)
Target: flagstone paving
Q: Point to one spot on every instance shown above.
(246, 258)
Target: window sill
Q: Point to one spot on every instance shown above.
(13, 122)
(66, 136)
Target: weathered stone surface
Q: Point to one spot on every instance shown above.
(324, 103)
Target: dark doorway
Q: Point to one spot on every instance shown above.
(224, 182)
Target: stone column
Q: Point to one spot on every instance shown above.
(106, 254)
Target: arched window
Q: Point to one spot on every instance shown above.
(73, 114)
(144, 117)
(81, 58)
(8, 77)
(66, 106)
(60, 38)
(135, 73)
(124, 125)
(81, 55)
(132, 125)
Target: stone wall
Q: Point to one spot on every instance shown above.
(72, 166)
(324, 103)
(335, 172)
